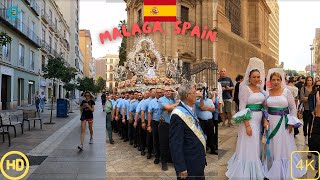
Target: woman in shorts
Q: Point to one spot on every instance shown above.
(87, 109)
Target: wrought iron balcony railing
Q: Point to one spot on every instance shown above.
(34, 6)
(18, 25)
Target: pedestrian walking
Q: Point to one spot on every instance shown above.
(103, 100)
(109, 118)
(87, 109)
(43, 99)
(37, 101)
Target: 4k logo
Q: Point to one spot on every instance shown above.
(307, 164)
(17, 165)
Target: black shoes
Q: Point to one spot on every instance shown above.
(149, 156)
(164, 167)
(125, 140)
(111, 141)
(131, 142)
(156, 161)
(135, 146)
(143, 153)
(214, 152)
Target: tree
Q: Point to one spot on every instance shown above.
(123, 46)
(101, 83)
(290, 72)
(86, 84)
(4, 38)
(54, 70)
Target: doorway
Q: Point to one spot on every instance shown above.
(20, 91)
(5, 91)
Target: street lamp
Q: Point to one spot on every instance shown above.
(311, 66)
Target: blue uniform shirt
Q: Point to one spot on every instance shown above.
(162, 102)
(144, 107)
(154, 108)
(204, 115)
(138, 110)
(114, 105)
(127, 106)
(133, 107)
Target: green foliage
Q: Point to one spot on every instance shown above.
(69, 74)
(4, 38)
(123, 46)
(69, 86)
(86, 84)
(290, 72)
(55, 69)
(101, 84)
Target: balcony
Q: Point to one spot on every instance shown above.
(27, 1)
(35, 8)
(18, 26)
(52, 26)
(57, 33)
(44, 16)
(45, 47)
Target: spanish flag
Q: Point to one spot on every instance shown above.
(160, 10)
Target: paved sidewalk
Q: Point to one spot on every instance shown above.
(66, 162)
(30, 139)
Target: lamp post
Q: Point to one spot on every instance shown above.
(311, 66)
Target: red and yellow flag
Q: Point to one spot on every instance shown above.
(160, 10)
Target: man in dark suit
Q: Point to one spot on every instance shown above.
(187, 140)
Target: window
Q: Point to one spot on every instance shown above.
(32, 30)
(21, 55)
(50, 14)
(233, 13)
(7, 3)
(50, 42)
(139, 16)
(111, 68)
(31, 60)
(6, 52)
(107, 67)
(43, 35)
(55, 22)
(21, 21)
(43, 63)
(111, 60)
(184, 14)
(111, 77)
(43, 7)
(55, 46)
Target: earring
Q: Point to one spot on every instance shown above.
(260, 81)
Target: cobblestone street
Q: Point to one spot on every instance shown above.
(228, 141)
(125, 162)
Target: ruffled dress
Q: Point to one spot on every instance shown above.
(283, 144)
(245, 162)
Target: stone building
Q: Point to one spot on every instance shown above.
(316, 52)
(85, 44)
(107, 63)
(247, 28)
(19, 60)
(193, 51)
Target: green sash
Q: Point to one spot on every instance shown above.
(255, 107)
(283, 112)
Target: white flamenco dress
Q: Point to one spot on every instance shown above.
(245, 162)
(283, 144)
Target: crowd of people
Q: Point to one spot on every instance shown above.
(267, 111)
(180, 125)
(145, 121)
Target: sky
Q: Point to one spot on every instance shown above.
(297, 22)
